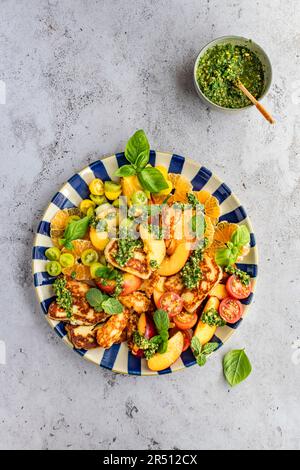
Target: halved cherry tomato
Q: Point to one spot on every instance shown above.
(106, 285)
(172, 303)
(230, 310)
(237, 289)
(131, 283)
(185, 320)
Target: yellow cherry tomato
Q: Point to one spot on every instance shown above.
(88, 257)
(112, 190)
(163, 171)
(53, 268)
(96, 187)
(98, 239)
(67, 260)
(86, 204)
(52, 253)
(93, 269)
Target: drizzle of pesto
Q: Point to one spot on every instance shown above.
(63, 295)
(221, 66)
(126, 249)
(191, 272)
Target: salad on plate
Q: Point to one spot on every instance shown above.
(144, 260)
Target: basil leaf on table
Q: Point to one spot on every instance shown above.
(136, 145)
(112, 306)
(125, 170)
(75, 230)
(236, 366)
(152, 179)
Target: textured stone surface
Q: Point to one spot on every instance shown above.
(81, 76)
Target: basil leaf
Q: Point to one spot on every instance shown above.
(223, 257)
(152, 180)
(95, 298)
(201, 360)
(125, 170)
(236, 366)
(196, 346)
(163, 347)
(142, 159)
(112, 306)
(137, 144)
(209, 348)
(75, 230)
(241, 236)
(161, 320)
(106, 272)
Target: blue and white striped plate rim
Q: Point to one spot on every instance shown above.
(118, 358)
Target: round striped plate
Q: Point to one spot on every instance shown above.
(118, 358)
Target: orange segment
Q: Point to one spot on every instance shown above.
(212, 208)
(59, 223)
(78, 272)
(223, 233)
(182, 187)
(202, 196)
(79, 247)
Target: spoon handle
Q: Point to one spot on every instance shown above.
(256, 103)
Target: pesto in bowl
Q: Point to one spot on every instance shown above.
(221, 66)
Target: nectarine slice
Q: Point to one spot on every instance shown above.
(204, 332)
(173, 264)
(165, 360)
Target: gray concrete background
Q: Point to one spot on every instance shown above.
(81, 76)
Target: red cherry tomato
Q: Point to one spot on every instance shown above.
(106, 285)
(185, 320)
(237, 289)
(187, 338)
(230, 310)
(131, 283)
(172, 303)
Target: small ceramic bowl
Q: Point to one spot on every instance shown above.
(237, 41)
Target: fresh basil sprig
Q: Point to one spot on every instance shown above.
(107, 272)
(236, 366)
(201, 352)
(102, 302)
(137, 152)
(75, 230)
(228, 255)
(162, 323)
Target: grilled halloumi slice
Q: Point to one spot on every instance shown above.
(211, 276)
(81, 313)
(137, 265)
(77, 288)
(137, 301)
(82, 337)
(111, 332)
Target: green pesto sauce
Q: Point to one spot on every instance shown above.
(221, 66)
